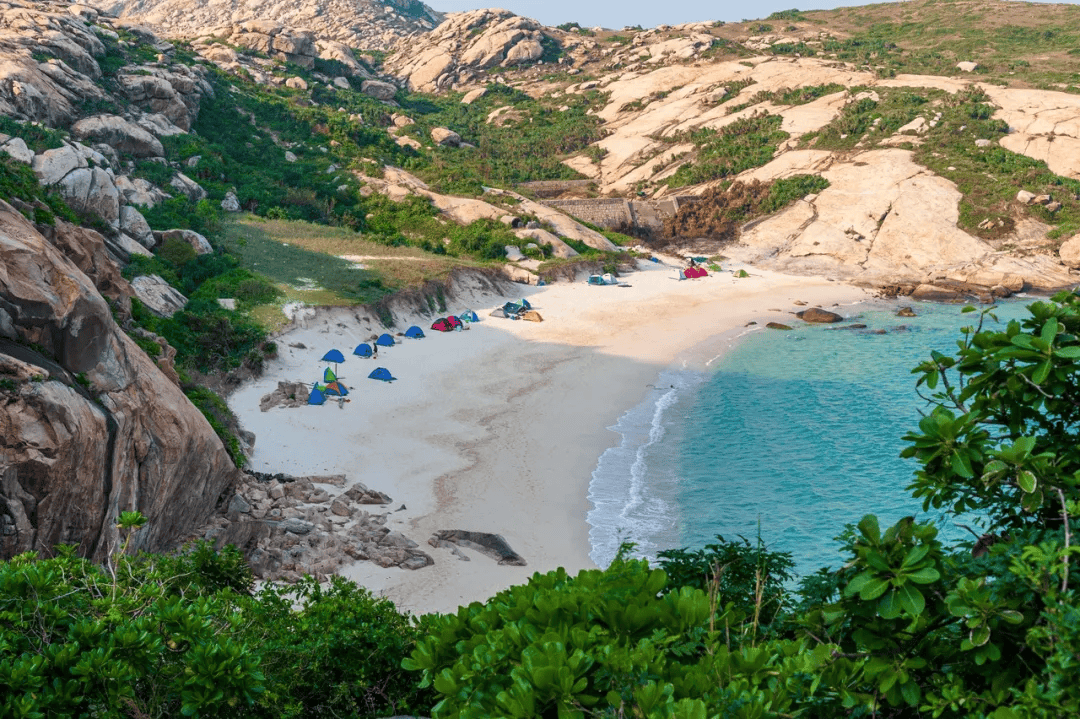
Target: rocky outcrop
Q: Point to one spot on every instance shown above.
(157, 295)
(88, 424)
(817, 315)
(173, 93)
(291, 526)
(464, 46)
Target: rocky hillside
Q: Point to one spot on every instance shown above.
(363, 24)
(931, 153)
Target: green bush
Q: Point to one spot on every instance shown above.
(177, 252)
(746, 143)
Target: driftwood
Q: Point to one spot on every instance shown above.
(492, 545)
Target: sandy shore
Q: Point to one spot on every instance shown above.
(498, 429)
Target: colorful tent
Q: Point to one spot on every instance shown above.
(512, 309)
(454, 322)
(468, 316)
(694, 272)
(362, 350)
(385, 340)
(333, 356)
(336, 388)
(316, 396)
(381, 373)
(414, 332)
(525, 303)
(328, 375)
(596, 280)
(442, 325)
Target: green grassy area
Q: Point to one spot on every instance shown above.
(531, 146)
(746, 143)
(1029, 45)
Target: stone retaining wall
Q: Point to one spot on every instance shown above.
(554, 188)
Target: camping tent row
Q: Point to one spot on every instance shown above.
(319, 392)
(451, 323)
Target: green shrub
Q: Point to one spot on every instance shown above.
(177, 252)
(746, 143)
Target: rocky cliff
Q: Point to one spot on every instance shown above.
(89, 426)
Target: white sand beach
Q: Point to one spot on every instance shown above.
(499, 428)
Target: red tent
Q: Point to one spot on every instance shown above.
(692, 272)
(442, 325)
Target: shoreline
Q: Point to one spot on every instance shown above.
(499, 429)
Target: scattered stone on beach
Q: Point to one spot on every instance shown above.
(751, 322)
(818, 316)
(800, 303)
(287, 394)
(777, 326)
(905, 312)
(848, 327)
(492, 545)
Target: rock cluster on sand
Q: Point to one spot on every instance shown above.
(291, 526)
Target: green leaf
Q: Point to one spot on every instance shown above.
(1050, 330)
(1042, 372)
(961, 464)
(873, 588)
(915, 555)
(1012, 616)
(1071, 352)
(868, 525)
(889, 606)
(1026, 480)
(911, 599)
(926, 575)
(980, 636)
(911, 693)
(1025, 445)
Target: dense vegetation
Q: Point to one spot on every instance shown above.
(903, 626)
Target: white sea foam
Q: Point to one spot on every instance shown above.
(631, 486)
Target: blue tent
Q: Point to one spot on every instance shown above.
(468, 316)
(525, 304)
(512, 309)
(333, 356)
(414, 332)
(328, 375)
(385, 340)
(381, 373)
(362, 350)
(316, 397)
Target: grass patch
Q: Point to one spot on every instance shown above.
(746, 143)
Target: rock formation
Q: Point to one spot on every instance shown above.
(462, 48)
(90, 426)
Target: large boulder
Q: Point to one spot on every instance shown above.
(378, 89)
(197, 241)
(118, 133)
(52, 165)
(446, 137)
(92, 190)
(92, 426)
(139, 191)
(159, 296)
(186, 186)
(1069, 252)
(134, 224)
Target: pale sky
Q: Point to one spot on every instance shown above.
(614, 14)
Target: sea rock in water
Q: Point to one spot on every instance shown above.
(777, 326)
(818, 315)
(905, 312)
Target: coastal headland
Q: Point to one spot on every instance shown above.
(497, 429)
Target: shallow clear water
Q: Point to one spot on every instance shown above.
(790, 434)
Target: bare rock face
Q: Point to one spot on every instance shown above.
(445, 136)
(466, 44)
(88, 424)
(159, 296)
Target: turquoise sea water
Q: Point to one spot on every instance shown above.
(792, 434)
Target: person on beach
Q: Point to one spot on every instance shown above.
(374, 351)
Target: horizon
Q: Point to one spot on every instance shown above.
(616, 15)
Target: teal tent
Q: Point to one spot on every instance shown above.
(316, 396)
